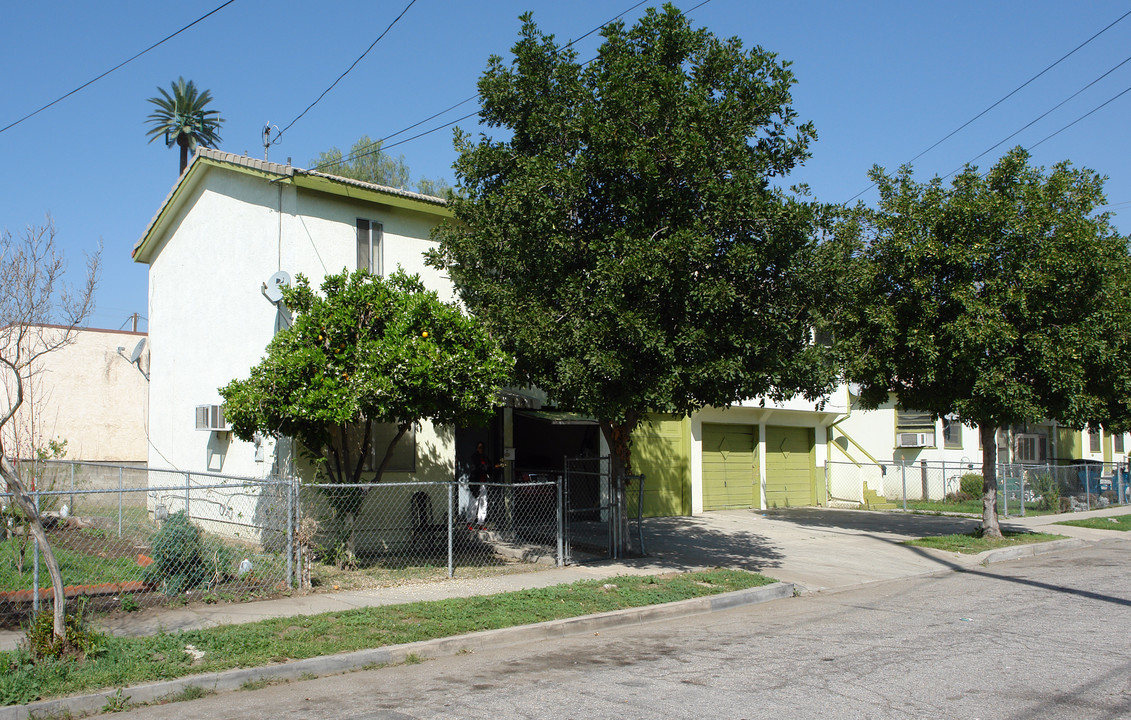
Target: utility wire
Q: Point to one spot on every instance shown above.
(1098, 107)
(1039, 118)
(1003, 99)
(116, 67)
(279, 136)
(378, 145)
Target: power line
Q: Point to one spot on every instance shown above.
(378, 146)
(116, 67)
(1096, 108)
(1039, 117)
(1003, 99)
(347, 71)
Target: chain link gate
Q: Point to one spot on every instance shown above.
(593, 527)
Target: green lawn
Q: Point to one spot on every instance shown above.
(972, 543)
(77, 568)
(1116, 522)
(121, 662)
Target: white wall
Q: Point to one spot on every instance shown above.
(209, 321)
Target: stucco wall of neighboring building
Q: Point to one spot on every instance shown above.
(86, 393)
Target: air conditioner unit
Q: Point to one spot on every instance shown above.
(912, 440)
(211, 418)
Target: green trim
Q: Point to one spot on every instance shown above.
(331, 186)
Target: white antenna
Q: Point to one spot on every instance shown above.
(273, 288)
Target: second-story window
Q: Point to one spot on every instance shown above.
(369, 246)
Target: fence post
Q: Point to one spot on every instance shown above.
(188, 479)
(561, 522)
(923, 481)
(73, 490)
(119, 501)
(903, 478)
(1088, 486)
(35, 555)
(291, 504)
(451, 528)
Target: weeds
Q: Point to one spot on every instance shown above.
(117, 702)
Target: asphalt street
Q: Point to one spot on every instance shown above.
(1040, 637)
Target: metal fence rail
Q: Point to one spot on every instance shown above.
(128, 536)
(1020, 488)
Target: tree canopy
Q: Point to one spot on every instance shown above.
(367, 162)
(366, 350)
(623, 238)
(184, 118)
(1001, 299)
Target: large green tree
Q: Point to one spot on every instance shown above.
(1001, 299)
(369, 163)
(624, 238)
(184, 119)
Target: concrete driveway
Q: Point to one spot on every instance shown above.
(815, 548)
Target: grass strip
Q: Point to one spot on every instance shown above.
(120, 661)
(973, 543)
(1116, 522)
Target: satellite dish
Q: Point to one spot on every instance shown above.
(138, 350)
(273, 288)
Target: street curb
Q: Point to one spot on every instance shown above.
(1020, 551)
(310, 668)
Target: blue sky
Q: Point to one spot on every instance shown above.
(882, 82)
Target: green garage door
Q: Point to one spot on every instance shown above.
(791, 473)
(730, 467)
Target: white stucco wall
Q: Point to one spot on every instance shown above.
(209, 321)
(86, 393)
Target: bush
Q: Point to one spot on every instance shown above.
(178, 555)
(1047, 490)
(971, 484)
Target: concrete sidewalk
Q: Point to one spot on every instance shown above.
(816, 549)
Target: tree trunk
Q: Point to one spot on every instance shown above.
(27, 505)
(989, 480)
(617, 436)
(182, 142)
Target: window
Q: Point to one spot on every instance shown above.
(914, 428)
(1094, 441)
(1031, 448)
(369, 246)
(1117, 442)
(951, 432)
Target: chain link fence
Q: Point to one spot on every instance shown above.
(958, 486)
(128, 537)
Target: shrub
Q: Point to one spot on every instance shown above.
(971, 484)
(1047, 490)
(178, 555)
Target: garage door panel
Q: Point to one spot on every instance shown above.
(790, 469)
(730, 467)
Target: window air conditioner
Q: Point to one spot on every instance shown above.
(211, 418)
(911, 440)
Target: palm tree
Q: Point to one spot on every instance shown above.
(184, 119)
